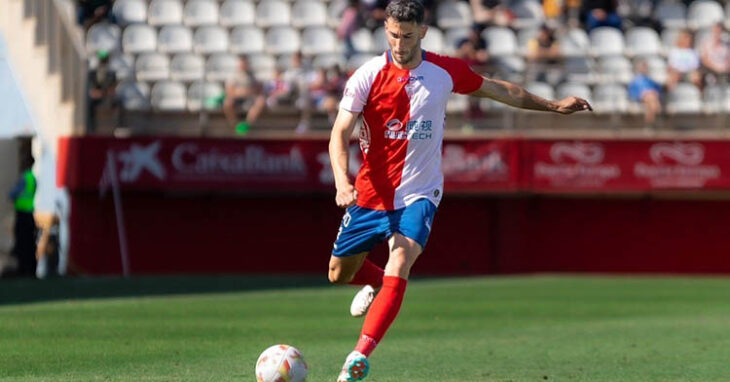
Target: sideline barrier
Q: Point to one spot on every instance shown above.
(511, 206)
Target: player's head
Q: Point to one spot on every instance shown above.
(404, 29)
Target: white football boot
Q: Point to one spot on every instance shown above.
(356, 367)
(362, 300)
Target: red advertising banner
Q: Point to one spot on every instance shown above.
(627, 165)
(258, 165)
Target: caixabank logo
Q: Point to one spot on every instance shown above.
(575, 164)
(676, 165)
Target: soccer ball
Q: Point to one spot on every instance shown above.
(281, 363)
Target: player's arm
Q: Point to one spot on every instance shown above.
(338, 148)
(517, 96)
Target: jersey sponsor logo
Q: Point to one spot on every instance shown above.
(349, 92)
(409, 79)
(414, 130)
(394, 125)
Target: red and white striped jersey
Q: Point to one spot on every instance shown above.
(404, 113)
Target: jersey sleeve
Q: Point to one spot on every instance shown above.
(465, 79)
(356, 91)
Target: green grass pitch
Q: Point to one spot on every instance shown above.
(533, 328)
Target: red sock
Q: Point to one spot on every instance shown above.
(382, 313)
(369, 274)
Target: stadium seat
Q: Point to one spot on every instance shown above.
(123, 66)
(165, 12)
(643, 41)
(513, 67)
(139, 38)
(127, 12)
(262, 65)
(168, 96)
(607, 41)
(716, 99)
(574, 42)
(684, 98)
(247, 40)
(527, 13)
(187, 67)
(103, 36)
(434, 41)
(574, 89)
(453, 14)
(362, 40)
(579, 69)
(615, 69)
(175, 39)
(671, 14)
(133, 96)
(357, 60)
(273, 13)
(282, 40)
(318, 40)
(500, 41)
(335, 9)
(204, 95)
(669, 38)
(308, 13)
(236, 13)
(329, 60)
(221, 67)
(541, 89)
(704, 14)
(200, 12)
(380, 41)
(210, 39)
(453, 36)
(610, 98)
(152, 67)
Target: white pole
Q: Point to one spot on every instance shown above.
(116, 193)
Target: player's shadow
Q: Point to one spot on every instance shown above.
(19, 291)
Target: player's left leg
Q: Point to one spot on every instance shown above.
(385, 307)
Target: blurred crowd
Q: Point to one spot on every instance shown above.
(311, 90)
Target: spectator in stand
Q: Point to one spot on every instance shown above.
(348, 25)
(490, 12)
(277, 90)
(102, 82)
(683, 62)
(600, 13)
(323, 90)
(647, 92)
(715, 55)
(543, 53)
(91, 12)
(466, 50)
(374, 13)
(243, 93)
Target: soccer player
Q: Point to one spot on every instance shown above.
(402, 97)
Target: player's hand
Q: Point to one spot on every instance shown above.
(346, 196)
(571, 105)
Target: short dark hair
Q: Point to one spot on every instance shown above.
(405, 11)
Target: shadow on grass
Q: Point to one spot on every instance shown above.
(19, 291)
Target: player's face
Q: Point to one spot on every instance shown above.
(404, 39)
